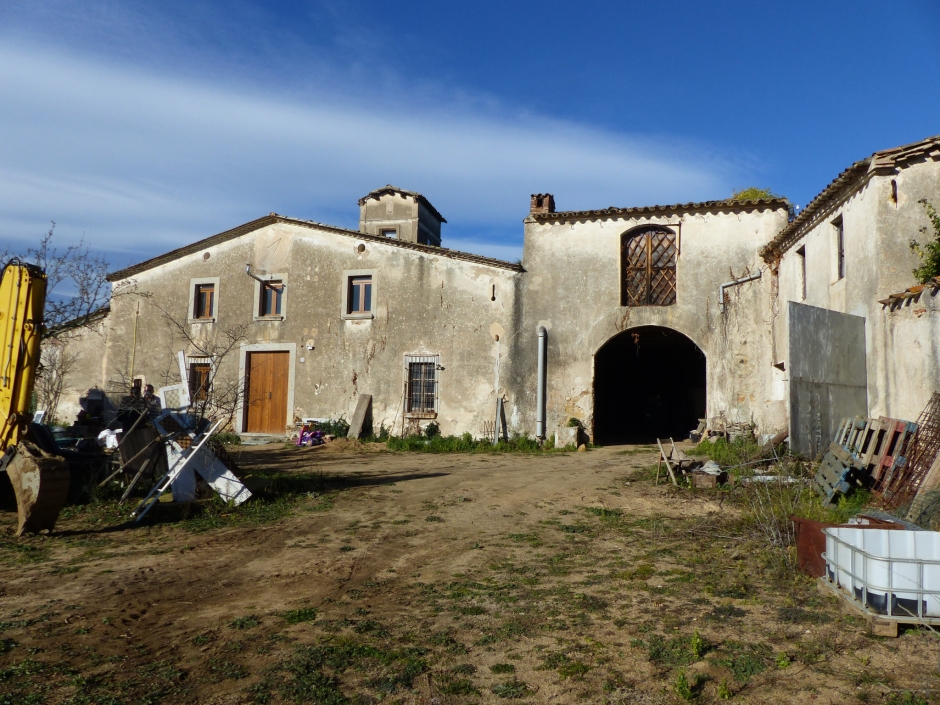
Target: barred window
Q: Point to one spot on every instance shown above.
(648, 264)
(422, 384)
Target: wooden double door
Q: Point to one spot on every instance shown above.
(266, 392)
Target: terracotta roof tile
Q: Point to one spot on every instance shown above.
(613, 211)
(911, 293)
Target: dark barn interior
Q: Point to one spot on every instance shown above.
(649, 383)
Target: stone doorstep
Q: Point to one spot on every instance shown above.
(260, 439)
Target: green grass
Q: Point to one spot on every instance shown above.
(312, 673)
(639, 450)
(304, 614)
(278, 497)
(466, 444)
(728, 454)
(513, 689)
(744, 660)
(249, 622)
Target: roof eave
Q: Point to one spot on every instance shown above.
(882, 163)
(679, 208)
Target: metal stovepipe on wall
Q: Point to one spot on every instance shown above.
(540, 400)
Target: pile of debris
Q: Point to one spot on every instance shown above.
(719, 428)
(157, 437)
(899, 461)
(705, 475)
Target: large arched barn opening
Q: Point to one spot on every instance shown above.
(649, 383)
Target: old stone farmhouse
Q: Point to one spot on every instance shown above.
(638, 321)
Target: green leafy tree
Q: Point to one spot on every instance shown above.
(929, 253)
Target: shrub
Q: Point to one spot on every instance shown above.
(928, 254)
(433, 429)
(334, 427)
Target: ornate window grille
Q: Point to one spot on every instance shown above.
(648, 265)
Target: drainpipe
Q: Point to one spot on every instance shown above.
(735, 282)
(255, 277)
(540, 401)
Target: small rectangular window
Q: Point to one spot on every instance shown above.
(199, 377)
(422, 392)
(840, 248)
(801, 253)
(204, 303)
(272, 293)
(360, 295)
(390, 233)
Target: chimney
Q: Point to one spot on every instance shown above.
(542, 203)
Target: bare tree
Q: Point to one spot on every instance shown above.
(76, 290)
(57, 360)
(76, 282)
(219, 394)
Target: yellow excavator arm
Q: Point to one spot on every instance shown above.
(22, 298)
(40, 479)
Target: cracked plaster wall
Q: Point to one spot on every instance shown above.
(573, 289)
(423, 303)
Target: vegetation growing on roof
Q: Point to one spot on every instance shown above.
(753, 193)
(929, 253)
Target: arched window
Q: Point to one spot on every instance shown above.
(648, 267)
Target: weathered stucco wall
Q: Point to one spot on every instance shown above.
(911, 338)
(879, 220)
(76, 355)
(422, 303)
(573, 287)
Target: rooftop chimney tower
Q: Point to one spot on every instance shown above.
(542, 203)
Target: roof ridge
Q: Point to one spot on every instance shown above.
(272, 218)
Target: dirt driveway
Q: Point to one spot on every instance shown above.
(409, 577)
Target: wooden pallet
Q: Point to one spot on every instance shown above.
(879, 624)
(833, 476)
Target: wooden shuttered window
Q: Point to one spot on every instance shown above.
(648, 266)
(204, 301)
(272, 293)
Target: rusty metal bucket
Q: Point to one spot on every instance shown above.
(41, 483)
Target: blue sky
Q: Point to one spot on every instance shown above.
(143, 126)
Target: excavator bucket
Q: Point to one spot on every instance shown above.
(41, 483)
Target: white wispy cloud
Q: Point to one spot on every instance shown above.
(141, 160)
